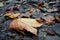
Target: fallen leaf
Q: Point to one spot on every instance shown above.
(25, 24)
(48, 18)
(12, 15)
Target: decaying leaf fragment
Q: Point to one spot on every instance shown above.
(40, 5)
(16, 8)
(57, 19)
(12, 15)
(25, 24)
(48, 19)
(31, 9)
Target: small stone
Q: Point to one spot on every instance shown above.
(1, 4)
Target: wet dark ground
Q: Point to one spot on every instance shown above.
(6, 34)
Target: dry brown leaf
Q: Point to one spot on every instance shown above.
(57, 19)
(21, 26)
(40, 5)
(31, 9)
(12, 15)
(48, 18)
(25, 24)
